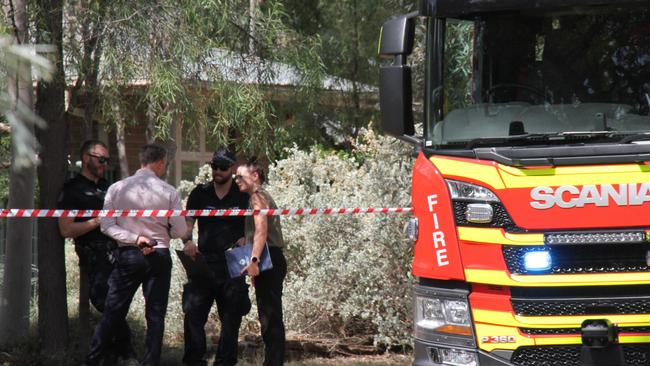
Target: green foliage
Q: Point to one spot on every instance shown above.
(19, 60)
(458, 54)
(348, 275)
(189, 60)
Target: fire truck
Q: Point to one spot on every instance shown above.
(531, 186)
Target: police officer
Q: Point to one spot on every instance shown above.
(216, 234)
(95, 250)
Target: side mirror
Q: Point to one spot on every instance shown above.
(395, 91)
(396, 100)
(397, 35)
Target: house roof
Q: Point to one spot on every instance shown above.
(247, 69)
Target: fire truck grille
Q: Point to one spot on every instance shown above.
(635, 355)
(582, 258)
(566, 331)
(568, 307)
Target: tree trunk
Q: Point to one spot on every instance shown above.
(92, 57)
(121, 146)
(50, 103)
(355, 70)
(18, 259)
(84, 303)
(252, 25)
(170, 145)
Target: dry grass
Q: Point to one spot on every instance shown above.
(26, 353)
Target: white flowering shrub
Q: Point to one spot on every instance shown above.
(347, 273)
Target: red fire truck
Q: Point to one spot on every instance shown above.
(531, 187)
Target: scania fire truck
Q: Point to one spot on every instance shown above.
(531, 186)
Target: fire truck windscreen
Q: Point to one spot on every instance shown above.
(531, 73)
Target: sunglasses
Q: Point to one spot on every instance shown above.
(101, 159)
(222, 167)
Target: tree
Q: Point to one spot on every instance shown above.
(16, 292)
(52, 303)
(349, 30)
(185, 56)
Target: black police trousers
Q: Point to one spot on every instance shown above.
(231, 296)
(268, 292)
(99, 269)
(133, 269)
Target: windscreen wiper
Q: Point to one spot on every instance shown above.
(644, 136)
(587, 133)
(500, 140)
(542, 137)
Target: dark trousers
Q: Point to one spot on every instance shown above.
(133, 269)
(99, 271)
(232, 301)
(268, 291)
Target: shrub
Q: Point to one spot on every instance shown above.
(347, 273)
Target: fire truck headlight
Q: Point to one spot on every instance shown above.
(480, 213)
(476, 205)
(443, 316)
(453, 356)
(430, 313)
(456, 312)
(537, 261)
(468, 191)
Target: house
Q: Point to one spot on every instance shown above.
(194, 148)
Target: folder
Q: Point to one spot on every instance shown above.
(238, 257)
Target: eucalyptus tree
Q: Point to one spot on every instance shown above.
(17, 60)
(349, 30)
(189, 61)
(50, 104)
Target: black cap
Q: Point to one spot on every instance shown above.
(223, 156)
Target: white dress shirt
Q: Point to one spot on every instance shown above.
(143, 191)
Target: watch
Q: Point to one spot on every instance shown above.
(254, 260)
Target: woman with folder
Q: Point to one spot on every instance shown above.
(265, 230)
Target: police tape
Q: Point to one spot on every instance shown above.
(18, 212)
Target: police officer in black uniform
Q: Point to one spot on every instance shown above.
(95, 250)
(216, 235)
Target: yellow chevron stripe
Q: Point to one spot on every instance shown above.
(486, 335)
(483, 173)
(509, 319)
(496, 277)
(498, 236)
(501, 176)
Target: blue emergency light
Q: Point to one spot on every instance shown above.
(537, 261)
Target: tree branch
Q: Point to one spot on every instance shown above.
(12, 15)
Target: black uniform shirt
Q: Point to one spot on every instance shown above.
(217, 234)
(81, 193)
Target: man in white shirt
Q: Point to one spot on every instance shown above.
(143, 252)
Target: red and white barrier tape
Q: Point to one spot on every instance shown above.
(18, 212)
